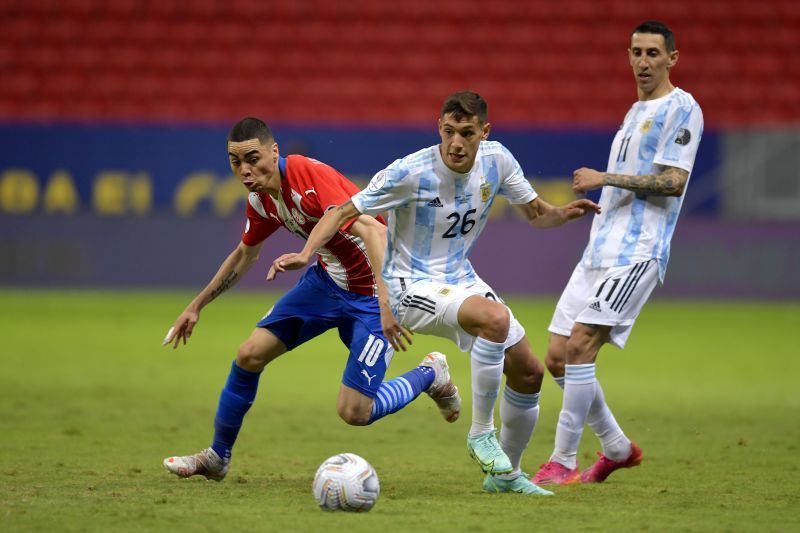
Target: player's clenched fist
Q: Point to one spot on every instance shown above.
(586, 179)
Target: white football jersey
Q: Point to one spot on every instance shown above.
(635, 227)
(435, 214)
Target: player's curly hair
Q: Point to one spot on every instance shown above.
(657, 27)
(466, 104)
(250, 128)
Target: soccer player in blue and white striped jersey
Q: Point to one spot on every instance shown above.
(642, 191)
(438, 200)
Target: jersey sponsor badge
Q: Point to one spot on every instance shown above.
(683, 137)
(486, 189)
(377, 181)
(465, 199)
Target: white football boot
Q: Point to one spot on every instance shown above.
(204, 463)
(443, 391)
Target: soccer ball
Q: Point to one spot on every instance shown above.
(346, 482)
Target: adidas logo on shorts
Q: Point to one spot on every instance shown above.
(435, 203)
(595, 305)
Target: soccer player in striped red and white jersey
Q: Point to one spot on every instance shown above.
(339, 291)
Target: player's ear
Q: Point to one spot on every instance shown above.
(486, 129)
(673, 59)
(275, 152)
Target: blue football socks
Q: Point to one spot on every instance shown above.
(395, 394)
(234, 402)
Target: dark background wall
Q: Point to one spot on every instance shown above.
(113, 118)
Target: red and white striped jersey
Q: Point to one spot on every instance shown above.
(308, 189)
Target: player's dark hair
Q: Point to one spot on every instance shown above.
(657, 27)
(250, 128)
(466, 104)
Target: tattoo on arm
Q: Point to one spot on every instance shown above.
(224, 285)
(345, 205)
(671, 182)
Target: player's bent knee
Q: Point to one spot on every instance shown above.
(251, 357)
(485, 318)
(354, 416)
(496, 323)
(536, 369)
(555, 365)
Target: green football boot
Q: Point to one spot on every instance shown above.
(487, 452)
(520, 484)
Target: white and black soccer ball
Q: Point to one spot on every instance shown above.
(346, 482)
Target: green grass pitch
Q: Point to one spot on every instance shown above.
(90, 403)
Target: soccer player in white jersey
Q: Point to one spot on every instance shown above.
(642, 191)
(438, 200)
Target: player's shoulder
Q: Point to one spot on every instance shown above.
(260, 203)
(684, 99)
(418, 161)
(497, 151)
(411, 166)
(488, 148)
(301, 169)
(295, 162)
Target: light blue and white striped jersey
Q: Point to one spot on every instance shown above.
(435, 214)
(637, 227)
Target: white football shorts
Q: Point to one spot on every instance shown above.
(431, 308)
(611, 296)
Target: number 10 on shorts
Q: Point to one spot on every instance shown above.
(372, 349)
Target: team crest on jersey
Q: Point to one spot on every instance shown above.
(377, 181)
(486, 189)
(683, 137)
(298, 216)
(646, 125)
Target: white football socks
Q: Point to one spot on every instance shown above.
(486, 362)
(579, 392)
(519, 413)
(616, 446)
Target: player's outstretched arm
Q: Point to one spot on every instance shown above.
(373, 233)
(543, 215)
(671, 181)
(323, 231)
(234, 266)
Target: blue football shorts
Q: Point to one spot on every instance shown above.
(315, 305)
